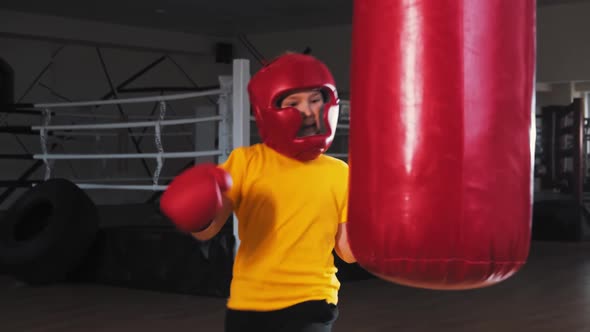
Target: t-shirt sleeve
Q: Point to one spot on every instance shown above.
(235, 165)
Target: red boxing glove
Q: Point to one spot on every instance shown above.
(194, 197)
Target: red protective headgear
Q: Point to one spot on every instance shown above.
(278, 127)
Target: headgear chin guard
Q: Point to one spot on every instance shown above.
(277, 126)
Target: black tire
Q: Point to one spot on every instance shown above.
(47, 232)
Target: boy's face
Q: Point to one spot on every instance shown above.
(311, 105)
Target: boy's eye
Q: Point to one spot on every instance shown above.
(316, 100)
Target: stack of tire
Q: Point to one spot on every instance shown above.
(46, 234)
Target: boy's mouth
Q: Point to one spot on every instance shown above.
(308, 130)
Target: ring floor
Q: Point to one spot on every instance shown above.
(552, 293)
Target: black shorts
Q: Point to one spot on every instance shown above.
(310, 316)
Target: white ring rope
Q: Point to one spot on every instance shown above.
(119, 186)
(338, 155)
(95, 130)
(129, 155)
(103, 134)
(125, 187)
(131, 100)
(129, 124)
(119, 179)
(112, 117)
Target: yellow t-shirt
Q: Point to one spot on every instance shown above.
(288, 214)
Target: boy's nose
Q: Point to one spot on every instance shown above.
(306, 110)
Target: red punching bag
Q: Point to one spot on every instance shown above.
(441, 140)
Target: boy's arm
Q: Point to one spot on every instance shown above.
(342, 246)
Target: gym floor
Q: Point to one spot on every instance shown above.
(552, 293)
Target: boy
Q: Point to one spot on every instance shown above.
(290, 200)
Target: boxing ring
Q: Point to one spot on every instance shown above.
(231, 90)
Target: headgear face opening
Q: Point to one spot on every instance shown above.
(278, 127)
